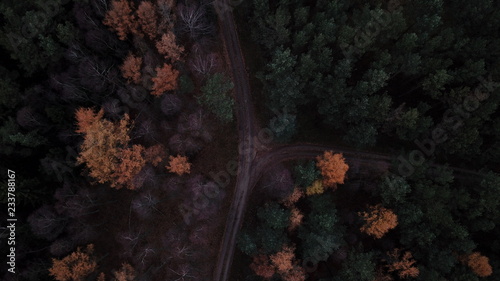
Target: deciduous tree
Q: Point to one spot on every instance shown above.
(193, 18)
(121, 19)
(145, 204)
(165, 80)
(315, 188)
(131, 68)
(479, 264)
(147, 18)
(278, 182)
(404, 265)
(155, 154)
(45, 223)
(179, 165)
(282, 260)
(295, 219)
(333, 168)
(378, 221)
(131, 162)
(262, 266)
(171, 104)
(169, 48)
(106, 150)
(125, 273)
(293, 198)
(75, 267)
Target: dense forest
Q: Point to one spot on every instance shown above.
(107, 111)
(117, 116)
(417, 79)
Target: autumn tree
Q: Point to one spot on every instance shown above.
(155, 154)
(131, 162)
(125, 273)
(479, 264)
(106, 151)
(168, 47)
(131, 68)
(74, 267)
(147, 18)
(295, 219)
(282, 263)
(283, 259)
(293, 198)
(262, 266)
(378, 221)
(286, 264)
(333, 168)
(404, 265)
(165, 80)
(315, 188)
(179, 165)
(120, 18)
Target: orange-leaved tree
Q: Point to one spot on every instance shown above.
(296, 217)
(121, 19)
(131, 68)
(262, 266)
(101, 277)
(147, 18)
(106, 150)
(333, 168)
(283, 259)
(125, 273)
(378, 221)
(165, 80)
(169, 48)
(286, 264)
(479, 264)
(283, 263)
(179, 165)
(155, 154)
(403, 265)
(293, 197)
(74, 267)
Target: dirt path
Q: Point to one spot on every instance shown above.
(253, 161)
(246, 131)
